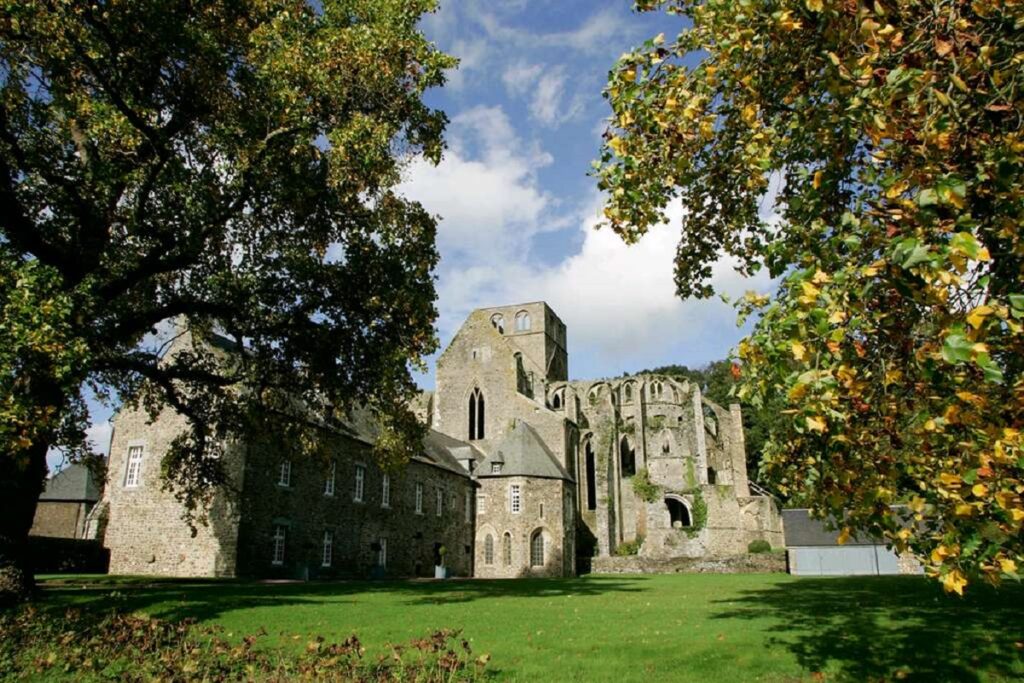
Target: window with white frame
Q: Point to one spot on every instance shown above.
(133, 471)
(328, 552)
(284, 474)
(515, 498)
(329, 482)
(382, 552)
(279, 538)
(481, 504)
(419, 499)
(357, 495)
(440, 502)
(495, 468)
(385, 492)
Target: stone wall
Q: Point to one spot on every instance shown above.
(359, 529)
(749, 563)
(548, 508)
(60, 518)
(146, 535)
(145, 532)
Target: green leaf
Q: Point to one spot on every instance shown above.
(957, 348)
(1017, 304)
(910, 252)
(927, 197)
(966, 243)
(992, 371)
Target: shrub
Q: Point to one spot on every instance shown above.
(135, 647)
(630, 547)
(759, 546)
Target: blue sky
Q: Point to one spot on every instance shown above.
(516, 208)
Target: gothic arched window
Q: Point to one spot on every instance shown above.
(537, 549)
(522, 321)
(476, 415)
(627, 458)
(489, 549)
(506, 549)
(498, 321)
(591, 474)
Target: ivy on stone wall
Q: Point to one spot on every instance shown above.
(656, 422)
(699, 514)
(644, 488)
(691, 474)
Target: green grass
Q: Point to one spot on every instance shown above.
(622, 628)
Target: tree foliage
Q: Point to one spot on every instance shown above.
(231, 164)
(894, 341)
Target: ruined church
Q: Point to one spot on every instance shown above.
(522, 473)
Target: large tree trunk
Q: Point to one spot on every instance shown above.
(21, 482)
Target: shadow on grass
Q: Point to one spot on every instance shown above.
(886, 628)
(206, 599)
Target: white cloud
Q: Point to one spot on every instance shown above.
(590, 37)
(472, 56)
(485, 189)
(618, 301)
(547, 105)
(98, 436)
(545, 86)
(520, 77)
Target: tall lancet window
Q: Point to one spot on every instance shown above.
(476, 415)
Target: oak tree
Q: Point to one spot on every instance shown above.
(229, 163)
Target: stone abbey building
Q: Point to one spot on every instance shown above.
(522, 472)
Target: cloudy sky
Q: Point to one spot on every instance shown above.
(517, 210)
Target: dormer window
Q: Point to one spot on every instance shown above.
(495, 468)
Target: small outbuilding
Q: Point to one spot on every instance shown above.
(814, 550)
(67, 499)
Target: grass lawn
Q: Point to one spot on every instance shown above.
(622, 628)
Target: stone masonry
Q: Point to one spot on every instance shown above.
(522, 471)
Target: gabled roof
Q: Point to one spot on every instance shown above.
(447, 452)
(439, 449)
(522, 453)
(73, 483)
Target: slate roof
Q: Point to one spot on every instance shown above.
(447, 452)
(802, 530)
(73, 483)
(522, 453)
